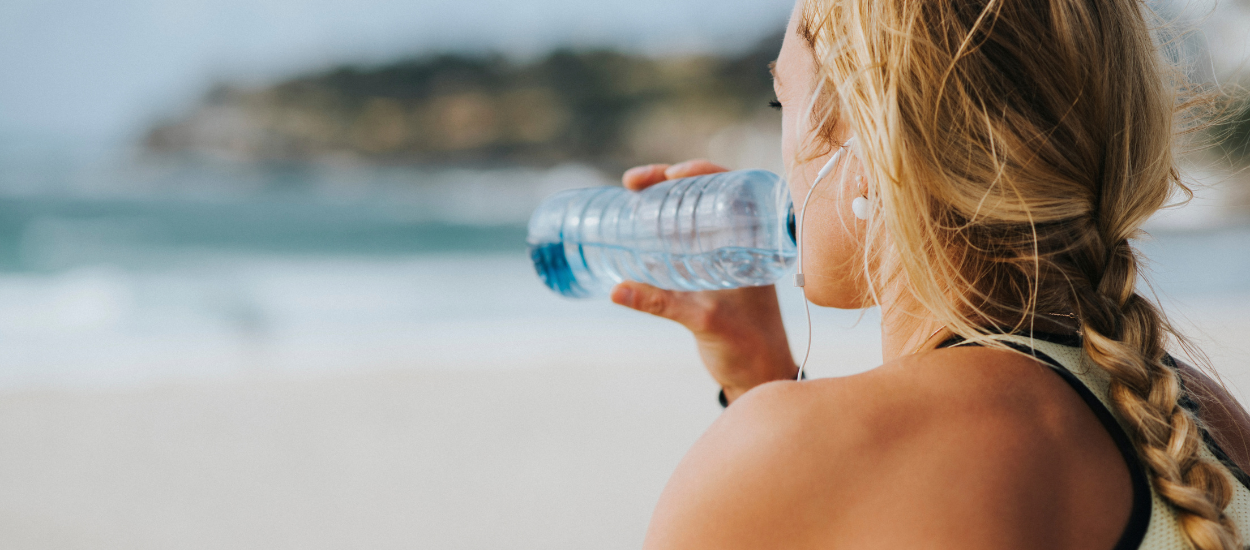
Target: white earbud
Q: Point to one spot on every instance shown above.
(860, 207)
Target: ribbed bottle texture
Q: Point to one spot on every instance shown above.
(719, 231)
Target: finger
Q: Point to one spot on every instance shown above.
(642, 177)
(648, 299)
(690, 168)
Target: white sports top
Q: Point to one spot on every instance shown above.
(1152, 524)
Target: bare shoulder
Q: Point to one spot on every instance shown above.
(958, 448)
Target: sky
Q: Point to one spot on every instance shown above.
(105, 69)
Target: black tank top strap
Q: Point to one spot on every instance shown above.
(1071, 340)
(1139, 518)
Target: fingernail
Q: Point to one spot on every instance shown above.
(679, 167)
(624, 296)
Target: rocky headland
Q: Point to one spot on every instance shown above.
(603, 108)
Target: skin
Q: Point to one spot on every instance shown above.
(963, 448)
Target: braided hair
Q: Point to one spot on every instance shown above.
(1014, 150)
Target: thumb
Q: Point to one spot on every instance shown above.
(649, 299)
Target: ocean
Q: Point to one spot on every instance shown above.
(171, 280)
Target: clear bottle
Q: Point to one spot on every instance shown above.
(718, 231)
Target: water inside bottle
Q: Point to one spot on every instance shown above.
(553, 268)
(603, 266)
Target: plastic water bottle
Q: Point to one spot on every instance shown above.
(719, 231)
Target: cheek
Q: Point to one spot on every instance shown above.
(789, 145)
(834, 266)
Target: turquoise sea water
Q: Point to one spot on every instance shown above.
(43, 234)
(49, 234)
(127, 288)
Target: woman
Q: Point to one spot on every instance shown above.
(1008, 151)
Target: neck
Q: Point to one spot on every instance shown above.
(907, 328)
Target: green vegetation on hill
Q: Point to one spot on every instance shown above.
(601, 107)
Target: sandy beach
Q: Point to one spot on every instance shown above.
(559, 457)
(567, 448)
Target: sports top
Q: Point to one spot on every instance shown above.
(1152, 524)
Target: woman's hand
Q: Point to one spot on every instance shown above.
(739, 332)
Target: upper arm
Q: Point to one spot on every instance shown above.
(733, 486)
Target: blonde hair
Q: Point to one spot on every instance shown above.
(1014, 149)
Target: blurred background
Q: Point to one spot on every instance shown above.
(263, 281)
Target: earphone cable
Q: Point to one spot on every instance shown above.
(799, 280)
